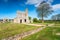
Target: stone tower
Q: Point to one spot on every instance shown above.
(26, 11)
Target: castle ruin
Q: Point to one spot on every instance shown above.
(22, 17)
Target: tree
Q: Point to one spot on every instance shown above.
(35, 20)
(29, 18)
(56, 17)
(44, 10)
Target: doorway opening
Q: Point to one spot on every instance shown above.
(25, 20)
(20, 20)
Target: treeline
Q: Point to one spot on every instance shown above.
(52, 21)
(35, 20)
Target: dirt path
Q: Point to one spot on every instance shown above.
(20, 36)
(35, 24)
(40, 24)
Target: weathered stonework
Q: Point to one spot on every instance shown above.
(5, 20)
(22, 17)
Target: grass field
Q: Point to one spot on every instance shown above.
(10, 29)
(48, 33)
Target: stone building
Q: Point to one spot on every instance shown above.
(22, 17)
(5, 20)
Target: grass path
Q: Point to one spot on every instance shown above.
(20, 36)
(19, 30)
(11, 29)
(49, 33)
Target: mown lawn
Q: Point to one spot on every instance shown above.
(11, 29)
(48, 33)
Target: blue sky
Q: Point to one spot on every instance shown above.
(8, 8)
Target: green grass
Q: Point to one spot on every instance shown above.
(11, 29)
(48, 33)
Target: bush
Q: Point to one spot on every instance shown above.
(35, 20)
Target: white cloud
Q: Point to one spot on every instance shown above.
(55, 7)
(37, 2)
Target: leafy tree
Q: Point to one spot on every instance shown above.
(44, 10)
(35, 20)
(29, 18)
(56, 17)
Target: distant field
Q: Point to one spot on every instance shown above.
(10, 29)
(48, 33)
